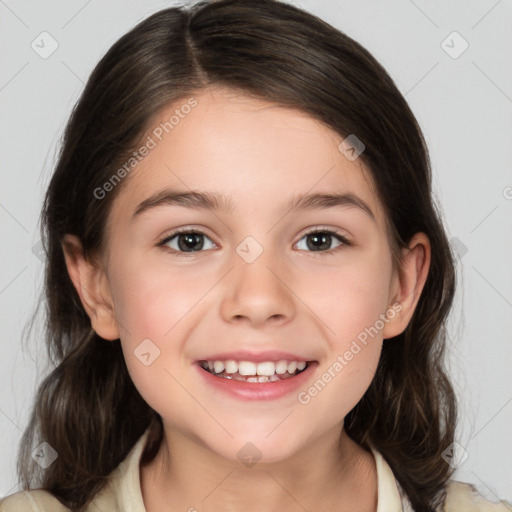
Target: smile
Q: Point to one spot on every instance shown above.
(255, 372)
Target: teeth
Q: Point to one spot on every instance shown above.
(246, 368)
(281, 367)
(267, 368)
(266, 371)
(292, 367)
(231, 366)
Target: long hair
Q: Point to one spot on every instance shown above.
(276, 52)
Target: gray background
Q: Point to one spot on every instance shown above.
(463, 104)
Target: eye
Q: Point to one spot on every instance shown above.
(186, 240)
(190, 240)
(320, 240)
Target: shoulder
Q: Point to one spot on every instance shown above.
(38, 500)
(463, 497)
(32, 501)
(120, 493)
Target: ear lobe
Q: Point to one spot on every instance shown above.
(408, 283)
(92, 286)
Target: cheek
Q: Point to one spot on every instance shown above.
(350, 301)
(354, 338)
(151, 300)
(350, 297)
(155, 306)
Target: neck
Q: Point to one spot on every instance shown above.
(332, 472)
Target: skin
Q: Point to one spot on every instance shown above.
(290, 298)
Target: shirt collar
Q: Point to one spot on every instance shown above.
(390, 497)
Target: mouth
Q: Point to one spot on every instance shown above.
(254, 372)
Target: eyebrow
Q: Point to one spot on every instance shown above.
(215, 201)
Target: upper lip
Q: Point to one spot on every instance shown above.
(257, 357)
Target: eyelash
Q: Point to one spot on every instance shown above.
(344, 241)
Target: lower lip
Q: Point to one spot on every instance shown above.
(257, 391)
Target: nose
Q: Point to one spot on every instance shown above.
(258, 293)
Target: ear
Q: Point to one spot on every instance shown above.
(408, 283)
(92, 286)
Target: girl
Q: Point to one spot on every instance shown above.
(247, 281)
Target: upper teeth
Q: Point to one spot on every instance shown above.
(267, 368)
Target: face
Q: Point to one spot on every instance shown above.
(289, 305)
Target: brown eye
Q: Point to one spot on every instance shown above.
(186, 241)
(321, 240)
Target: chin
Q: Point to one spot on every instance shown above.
(249, 448)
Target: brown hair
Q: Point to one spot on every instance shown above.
(284, 55)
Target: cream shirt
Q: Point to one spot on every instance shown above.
(123, 493)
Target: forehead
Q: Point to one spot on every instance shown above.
(255, 153)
